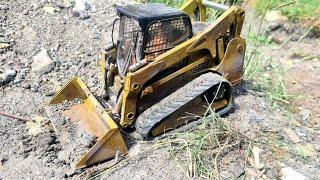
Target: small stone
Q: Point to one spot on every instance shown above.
(256, 151)
(226, 175)
(3, 160)
(42, 63)
(49, 9)
(304, 114)
(4, 45)
(83, 15)
(45, 159)
(17, 81)
(83, 5)
(70, 172)
(288, 173)
(292, 135)
(7, 76)
(276, 39)
(35, 89)
(27, 149)
(237, 169)
(50, 93)
(301, 132)
(75, 13)
(275, 16)
(273, 26)
(47, 140)
(26, 86)
(251, 172)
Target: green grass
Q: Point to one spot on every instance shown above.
(266, 76)
(198, 152)
(265, 73)
(262, 39)
(293, 9)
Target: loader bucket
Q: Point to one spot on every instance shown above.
(92, 118)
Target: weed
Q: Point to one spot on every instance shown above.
(200, 150)
(265, 73)
(294, 10)
(262, 39)
(303, 151)
(267, 76)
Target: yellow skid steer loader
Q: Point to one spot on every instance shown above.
(161, 66)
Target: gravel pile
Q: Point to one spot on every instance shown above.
(42, 45)
(75, 141)
(45, 44)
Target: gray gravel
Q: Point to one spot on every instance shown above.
(25, 30)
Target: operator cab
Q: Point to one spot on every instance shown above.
(148, 30)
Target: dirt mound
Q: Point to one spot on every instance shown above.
(75, 141)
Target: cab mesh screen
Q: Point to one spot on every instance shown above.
(166, 34)
(131, 28)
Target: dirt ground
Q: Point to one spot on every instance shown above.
(74, 45)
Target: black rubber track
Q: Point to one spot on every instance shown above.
(156, 113)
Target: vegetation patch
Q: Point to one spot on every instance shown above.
(293, 9)
(199, 152)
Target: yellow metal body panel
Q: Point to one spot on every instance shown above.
(191, 6)
(179, 72)
(132, 88)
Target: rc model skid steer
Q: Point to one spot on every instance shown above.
(165, 62)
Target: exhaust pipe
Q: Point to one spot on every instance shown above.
(213, 5)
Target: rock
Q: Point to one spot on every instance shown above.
(237, 169)
(256, 156)
(70, 173)
(84, 15)
(7, 76)
(47, 140)
(4, 45)
(317, 147)
(49, 9)
(273, 26)
(276, 39)
(251, 172)
(301, 132)
(81, 14)
(287, 173)
(50, 93)
(26, 86)
(42, 63)
(275, 16)
(304, 114)
(82, 7)
(3, 160)
(292, 135)
(226, 175)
